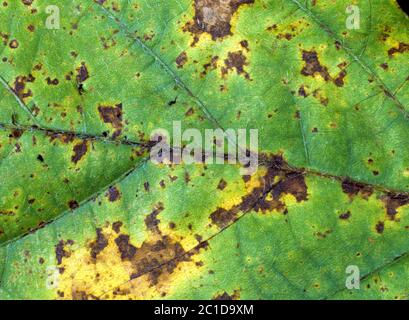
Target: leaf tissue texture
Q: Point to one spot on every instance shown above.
(85, 214)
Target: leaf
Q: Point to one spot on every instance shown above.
(84, 213)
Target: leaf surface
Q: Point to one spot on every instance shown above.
(85, 214)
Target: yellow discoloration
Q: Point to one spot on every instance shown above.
(110, 266)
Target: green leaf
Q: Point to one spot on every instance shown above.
(85, 214)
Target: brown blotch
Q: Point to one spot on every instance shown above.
(113, 194)
(181, 60)
(402, 47)
(236, 60)
(289, 182)
(353, 188)
(393, 201)
(80, 150)
(151, 220)
(116, 226)
(213, 17)
(99, 244)
(313, 66)
(113, 116)
(61, 250)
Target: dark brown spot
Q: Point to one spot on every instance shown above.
(73, 204)
(99, 244)
(116, 226)
(345, 215)
(14, 44)
(222, 184)
(402, 47)
(393, 201)
(61, 250)
(80, 150)
(380, 226)
(181, 60)
(113, 194)
(126, 249)
(82, 73)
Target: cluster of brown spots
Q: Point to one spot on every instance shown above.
(402, 47)
(393, 201)
(5, 37)
(20, 86)
(52, 82)
(7, 213)
(63, 137)
(302, 92)
(278, 181)
(61, 250)
(79, 150)
(113, 116)
(313, 66)
(353, 188)
(288, 32)
(226, 296)
(181, 60)
(113, 194)
(213, 17)
(236, 60)
(212, 65)
(319, 95)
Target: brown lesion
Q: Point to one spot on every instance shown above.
(393, 201)
(80, 149)
(113, 116)
(400, 48)
(236, 61)
(353, 189)
(313, 67)
(181, 59)
(267, 197)
(213, 17)
(19, 87)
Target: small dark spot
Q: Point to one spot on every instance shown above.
(73, 204)
(345, 215)
(380, 227)
(113, 194)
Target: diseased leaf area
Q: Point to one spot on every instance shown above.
(85, 214)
